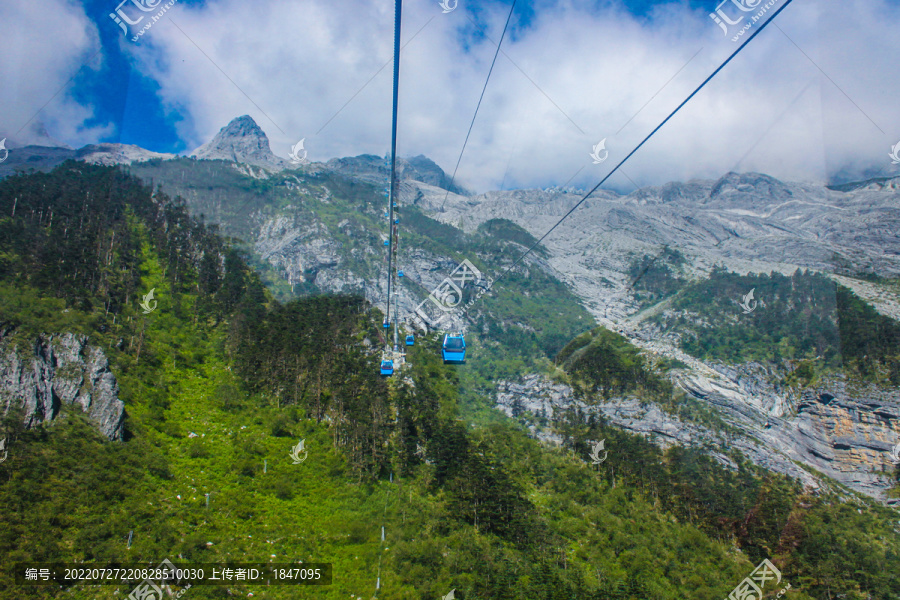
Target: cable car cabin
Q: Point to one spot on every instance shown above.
(387, 243)
(386, 324)
(410, 340)
(453, 349)
(387, 367)
(400, 273)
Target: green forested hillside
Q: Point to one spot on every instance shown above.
(806, 317)
(220, 381)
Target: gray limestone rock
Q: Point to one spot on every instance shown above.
(846, 434)
(241, 141)
(53, 371)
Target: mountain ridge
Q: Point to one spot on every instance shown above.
(241, 141)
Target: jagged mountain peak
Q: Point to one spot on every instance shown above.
(738, 186)
(427, 171)
(243, 141)
(243, 126)
(731, 188)
(675, 191)
(374, 169)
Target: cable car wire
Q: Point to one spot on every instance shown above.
(472, 124)
(638, 147)
(398, 9)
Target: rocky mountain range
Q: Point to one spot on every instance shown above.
(241, 142)
(747, 222)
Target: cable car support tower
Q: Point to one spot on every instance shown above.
(393, 225)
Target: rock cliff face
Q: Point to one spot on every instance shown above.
(58, 370)
(848, 434)
(842, 433)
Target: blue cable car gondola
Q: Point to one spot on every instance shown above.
(400, 273)
(410, 340)
(386, 324)
(387, 243)
(387, 367)
(453, 349)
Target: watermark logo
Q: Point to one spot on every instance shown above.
(146, 303)
(600, 147)
(895, 154)
(745, 304)
(751, 587)
(445, 4)
(6, 152)
(295, 155)
(595, 452)
(451, 595)
(730, 18)
(895, 454)
(149, 590)
(448, 295)
(121, 17)
(296, 450)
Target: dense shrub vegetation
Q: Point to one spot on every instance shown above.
(654, 278)
(804, 317)
(603, 363)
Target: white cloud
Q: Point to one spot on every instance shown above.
(770, 110)
(44, 45)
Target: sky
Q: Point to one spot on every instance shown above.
(812, 98)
